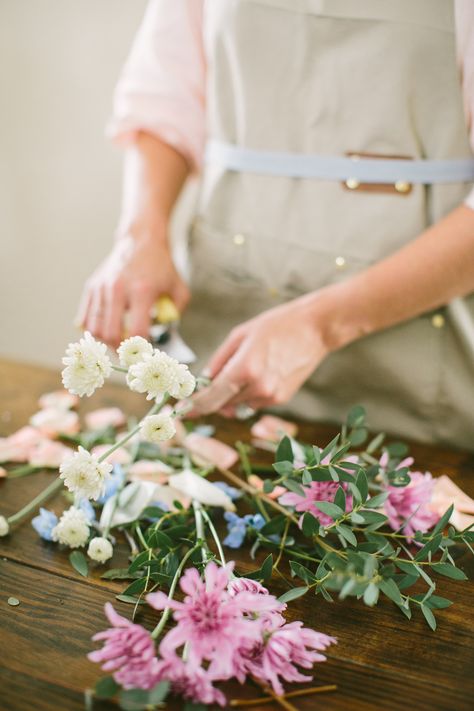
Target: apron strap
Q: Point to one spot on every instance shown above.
(363, 170)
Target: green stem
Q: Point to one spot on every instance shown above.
(215, 536)
(156, 408)
(36, 502)
(200, 528)
(166, 612)
(24, 470)
(119, 369)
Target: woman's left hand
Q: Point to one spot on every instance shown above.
(265, 361)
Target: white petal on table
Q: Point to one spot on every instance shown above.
(199, 488)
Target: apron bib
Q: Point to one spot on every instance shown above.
(332, 78)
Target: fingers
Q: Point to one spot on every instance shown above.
(114, 312)
(95, 313)
(142, 298)
(215, 397)
(224, 353)
(81, 315)
(180, 295)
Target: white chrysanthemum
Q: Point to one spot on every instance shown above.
(72, 528)
(185, 382)
(155, 375)
(100, 549)
(133, 350)
(84, 475)
(87, 366)
(4, 526)
(157, 428)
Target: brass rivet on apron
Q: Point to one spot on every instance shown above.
(239, 239)
(340, 262)
(438, 320)
(352, 183)
(401, 186)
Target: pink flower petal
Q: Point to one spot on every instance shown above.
(272, 428)
(105, 417)
(52, 422)
(207, 450)
(59, 400)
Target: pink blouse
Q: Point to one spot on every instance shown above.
(162, 86)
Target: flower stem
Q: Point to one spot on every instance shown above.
(215, 536)
(119, 369)
(24, 470)
(37, 501)
(200, 528)
(166, 612)
(236, 703)
(156, 408)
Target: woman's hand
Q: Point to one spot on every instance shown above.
(131, 278)
(265, 361)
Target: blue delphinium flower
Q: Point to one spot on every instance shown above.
(113, 483)
(44, 524)
(86, 507)
(237, 527)
(231, 491)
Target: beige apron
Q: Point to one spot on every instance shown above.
(331, 77)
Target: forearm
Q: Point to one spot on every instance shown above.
(154, 174)
(428, 272)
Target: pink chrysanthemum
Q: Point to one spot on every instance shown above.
(210, 621)
(128, 651)
(316, 491)
(279, 654)
(193, 684)
(407, 507)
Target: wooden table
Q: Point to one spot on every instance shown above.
(382, 660)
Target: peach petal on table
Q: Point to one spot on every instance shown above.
(52, 422)
(257, 483)
(119, 456)
(105, 417)
(3, 472)
(149, 470)
(49, 454)
(272, 428)
(207, 450)
(58, 399)
(17, 447)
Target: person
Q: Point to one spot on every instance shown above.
(333, 246)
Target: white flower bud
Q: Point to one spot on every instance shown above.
(100, 549)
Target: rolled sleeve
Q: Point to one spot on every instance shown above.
(161, 89)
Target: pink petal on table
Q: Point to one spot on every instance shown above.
(105, 417)
(148, 470)
(3, 472)
(445, 493)
(272, 428)
(210, 451)
(257, 483)
(18, 446)
(58, 399)
(52, 422)
(461, 520)
(120, 456)
(49, 454)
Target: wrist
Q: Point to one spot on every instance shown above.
(340, 313)
(149, 228)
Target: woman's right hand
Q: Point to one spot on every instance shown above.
(137, 271)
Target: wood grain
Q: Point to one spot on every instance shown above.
(382, 661)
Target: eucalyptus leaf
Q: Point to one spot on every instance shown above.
(293, 594)
(79, 562)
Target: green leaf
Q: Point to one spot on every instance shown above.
(429, 617)
(129, 600)
(284, 451)
(306, 477)
(435, 602)
(356, 416)
(159, 539)
(376, 501)
(333, 473)
(357, 518)
(134, 699)
(373, 517)
(390, 589)
(79, 562)
(310, 524)
(294, 486)
(139, 560)
(116, 574)
(317, 455)
(407, 567)
(275, 525)
(443, 521)
(358, 436)
(268, 486)
(301, 572)
(362, 485)
(135, 588)
(406, 610)
(293, 594)
(106, 687)
(264, 572)
(329, 447)
(329, 509)
(284, 468)
(371, 594)
(347, 534)
(448, 570)
(397, 449)
(159, 692)
(430, 547)
(375, 443)
(340, 498)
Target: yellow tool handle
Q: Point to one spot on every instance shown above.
(166, 310)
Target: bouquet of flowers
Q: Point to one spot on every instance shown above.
(350, 519)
